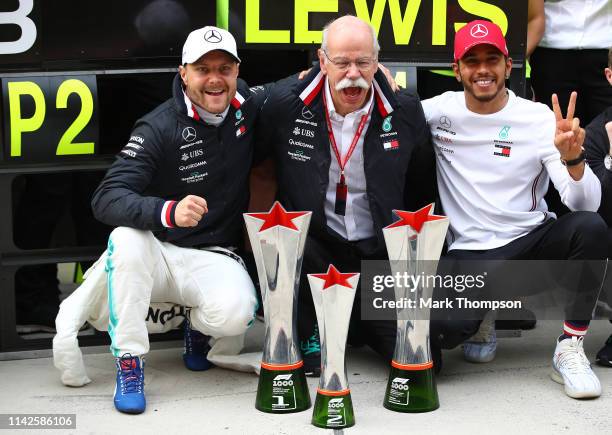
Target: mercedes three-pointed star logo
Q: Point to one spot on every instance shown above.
(479, 31)
(445, 122)
(306, 113)
(212, 36)
(189, 134)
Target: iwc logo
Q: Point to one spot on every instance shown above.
(189, 134)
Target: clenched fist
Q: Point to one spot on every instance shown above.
(189, 211)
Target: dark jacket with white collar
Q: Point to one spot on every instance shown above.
(597, 147)
(172, 153)
(399, 175)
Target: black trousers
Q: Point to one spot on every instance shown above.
(574, 236)
(564, 71)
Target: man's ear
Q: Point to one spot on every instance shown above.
(508, 67)
(182, 72)
(608, 72)
(322, 61)
(455, 67)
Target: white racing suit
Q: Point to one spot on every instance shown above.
(136, 271)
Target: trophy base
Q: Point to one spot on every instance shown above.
(282, 390)
(333, 410)
(411, 390)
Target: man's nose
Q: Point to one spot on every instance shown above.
(353, 72)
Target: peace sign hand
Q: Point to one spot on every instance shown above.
(569, 137)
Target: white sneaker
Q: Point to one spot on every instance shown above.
(572, 369)
(482, 346)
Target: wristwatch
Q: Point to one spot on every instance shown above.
(575, 161)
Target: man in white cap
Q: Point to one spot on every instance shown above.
(176, 194)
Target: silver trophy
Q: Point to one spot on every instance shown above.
(414, 244)
(277, 239)
(333, 294)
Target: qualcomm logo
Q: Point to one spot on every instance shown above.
(189, 134)
(479, 31)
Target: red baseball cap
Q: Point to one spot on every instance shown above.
(479, 32)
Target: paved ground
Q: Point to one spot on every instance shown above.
(513, 394)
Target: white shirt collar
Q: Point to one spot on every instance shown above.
(332, 110)
(209, 118)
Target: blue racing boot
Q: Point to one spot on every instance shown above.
(195, 349)
(129, 390)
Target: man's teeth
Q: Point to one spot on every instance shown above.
(484, 82)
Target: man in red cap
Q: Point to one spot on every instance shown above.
(496, 153)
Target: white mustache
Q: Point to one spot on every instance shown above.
(348, 83)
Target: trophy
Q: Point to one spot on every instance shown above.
(333, 294)
(278, 238)
(414, 244)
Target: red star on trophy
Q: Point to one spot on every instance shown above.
(277, 216)
(334, 277)
(415, 219)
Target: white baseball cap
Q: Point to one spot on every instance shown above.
(209, 38)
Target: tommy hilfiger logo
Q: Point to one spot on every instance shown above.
(392, 144)
(504, 150)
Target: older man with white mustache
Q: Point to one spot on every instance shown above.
(351, 150)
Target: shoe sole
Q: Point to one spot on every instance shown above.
(479, 361)
(555, 376)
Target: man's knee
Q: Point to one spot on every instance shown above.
(227, 318)
(126, 245)
(589, 230)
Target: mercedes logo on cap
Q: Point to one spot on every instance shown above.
(189, 134)
(212, 36)
(479, 31)
(445, 122)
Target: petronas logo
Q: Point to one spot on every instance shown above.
(386, 125)
(504, 133)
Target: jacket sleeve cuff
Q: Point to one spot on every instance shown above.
(165, 213)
